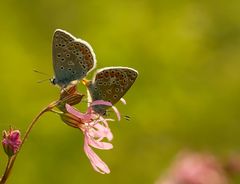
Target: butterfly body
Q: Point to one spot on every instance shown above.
(72, 58)
(110, 84)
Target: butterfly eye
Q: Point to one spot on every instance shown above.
(62, 67)
(59, 55)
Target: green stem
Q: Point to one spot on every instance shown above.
(4, 178)
(11, 160)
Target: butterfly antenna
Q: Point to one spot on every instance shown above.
(40, 81)
(42, 73)
(128, 118)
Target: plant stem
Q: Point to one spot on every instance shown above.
(4, 178)
(12, 159)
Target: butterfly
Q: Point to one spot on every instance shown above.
(110, 84)
(72, 58)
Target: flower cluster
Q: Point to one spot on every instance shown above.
(94, 126)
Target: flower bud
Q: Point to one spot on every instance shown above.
(69, 96)
(11, 141)
(70, 120)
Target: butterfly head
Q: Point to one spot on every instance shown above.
(53, 81)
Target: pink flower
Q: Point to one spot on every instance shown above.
(11, 141)
(195, 168)
(95, 128)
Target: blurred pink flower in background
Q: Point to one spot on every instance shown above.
(95, 128)
(232, 165)
(194, 168)
(11, 141)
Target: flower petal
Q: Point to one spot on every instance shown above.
(116, 112)
(96, 162)
(75, 112)
(101, 102)
(100, 145)
(103, 131)
(123, 101)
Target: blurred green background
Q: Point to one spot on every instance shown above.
(187, 94)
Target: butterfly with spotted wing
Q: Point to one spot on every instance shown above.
(110, 84)
(72, 58)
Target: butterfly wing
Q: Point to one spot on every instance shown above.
(111, 84)
(72, 58)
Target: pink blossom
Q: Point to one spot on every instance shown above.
(11, 141)
(195, 168)
(95, 128)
